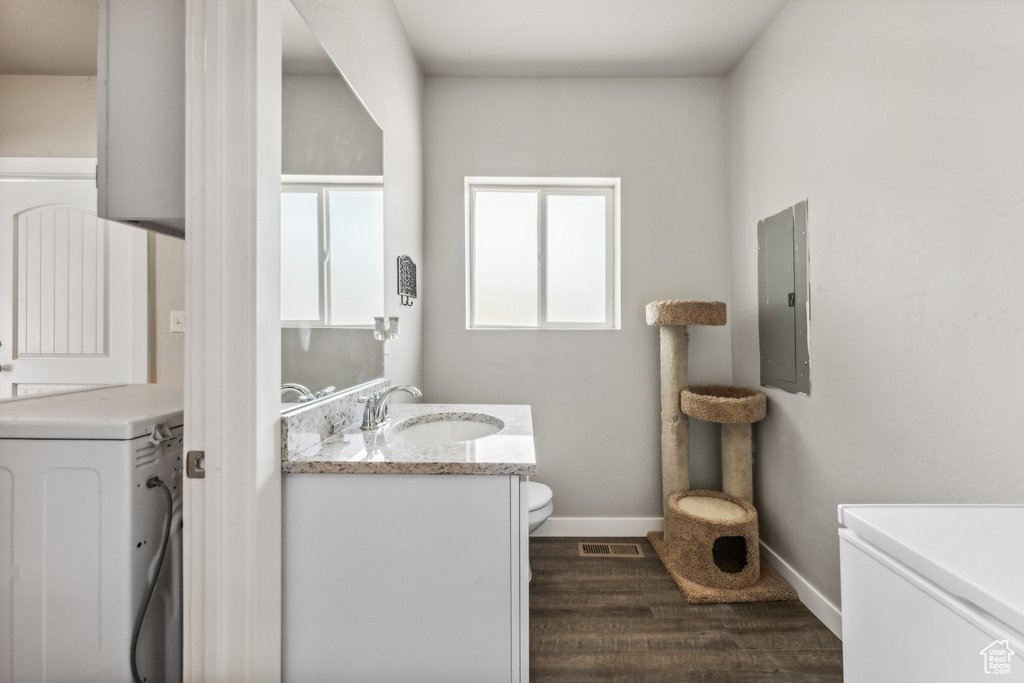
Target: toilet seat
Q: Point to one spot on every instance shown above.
(537, 495)
(538, 501)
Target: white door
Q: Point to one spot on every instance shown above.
(73, 287)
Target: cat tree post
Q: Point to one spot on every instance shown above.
(675, 426)
(738, 461)
(673, 317)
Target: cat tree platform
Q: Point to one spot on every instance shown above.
(735, 408)
(769, 588)
(714, 539)
(686, 313)
(714, 555)
(723, 404)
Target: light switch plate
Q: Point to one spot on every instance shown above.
(177, 321)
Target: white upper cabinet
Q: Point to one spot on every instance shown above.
(141, 64)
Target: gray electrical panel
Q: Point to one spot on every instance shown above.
(782, 306)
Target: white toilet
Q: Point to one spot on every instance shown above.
(540, 505)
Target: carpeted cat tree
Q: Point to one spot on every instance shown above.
(710, 545)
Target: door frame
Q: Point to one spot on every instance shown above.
(232, 524)
(83, 170)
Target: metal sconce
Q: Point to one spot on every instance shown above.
(406, 280)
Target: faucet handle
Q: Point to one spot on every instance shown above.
(370, 412)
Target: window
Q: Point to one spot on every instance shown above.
(332, 254)
(542, 253)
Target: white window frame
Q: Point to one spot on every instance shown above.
(321, 185)
(610, 188)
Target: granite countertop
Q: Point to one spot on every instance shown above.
(353, 451)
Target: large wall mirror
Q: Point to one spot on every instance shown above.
(332, 223)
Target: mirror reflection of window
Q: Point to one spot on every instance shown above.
(300, 256)
(356, 267)
(332, 255)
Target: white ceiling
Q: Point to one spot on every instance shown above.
(526, 38)
(587, 38)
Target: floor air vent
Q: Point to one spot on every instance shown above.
(610, 550)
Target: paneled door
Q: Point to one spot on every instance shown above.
(73, 287)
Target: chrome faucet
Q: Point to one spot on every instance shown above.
(326, 391)
(304, 393)
(375, 414)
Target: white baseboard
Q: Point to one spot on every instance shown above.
(614, 527)
(818, 604)
(599, 526)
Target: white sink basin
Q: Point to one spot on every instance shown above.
(447, 427)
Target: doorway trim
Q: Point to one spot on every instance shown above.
(232, 531)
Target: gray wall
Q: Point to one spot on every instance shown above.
(48, 116)
(325, 130)
(901, 123)
(166, 294)
(594, 393)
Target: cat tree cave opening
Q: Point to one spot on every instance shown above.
(730, 553)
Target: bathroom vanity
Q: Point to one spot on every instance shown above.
(407, 560)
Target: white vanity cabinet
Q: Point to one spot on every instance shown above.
(405, 578)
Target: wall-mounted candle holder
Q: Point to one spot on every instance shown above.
(406, 280)
(385, 329)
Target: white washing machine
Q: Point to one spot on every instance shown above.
(932, 593)
(82, 527)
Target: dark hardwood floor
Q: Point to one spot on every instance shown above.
(611, 619)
